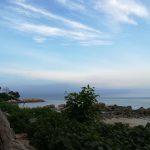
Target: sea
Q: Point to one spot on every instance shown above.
(135, 102)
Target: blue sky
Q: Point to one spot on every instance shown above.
(104, 43)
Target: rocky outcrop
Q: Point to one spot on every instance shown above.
(8, 140)
(22, 145)
(114, 111)
(51, 106)
(61, 107)
(27, 100)
(6, 136)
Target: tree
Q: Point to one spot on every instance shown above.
(4, 97)
(81, 106)
(14, 95)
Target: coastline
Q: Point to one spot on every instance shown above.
(113, 114)
(27, 100)
(132, 122)
(136, 103)
(126, 115)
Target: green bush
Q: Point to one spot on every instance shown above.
(51, 130)
(82, 106)
(9, 108)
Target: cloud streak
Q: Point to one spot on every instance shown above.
(54, 25)
(72, 5)
(43, 31)
(122, 11)
(71, 23)
(70, 30)
(105, 78)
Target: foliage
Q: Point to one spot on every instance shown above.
(51, 130)
(14, 95)
(4, 96)
(82, 106)
(9, 108)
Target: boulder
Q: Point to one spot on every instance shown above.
(8, 140)
(52, 106)
(6, 136)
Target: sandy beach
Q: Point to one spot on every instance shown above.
(131, 121)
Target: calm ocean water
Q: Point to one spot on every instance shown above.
(135, 102)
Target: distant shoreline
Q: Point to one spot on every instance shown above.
(27, 100)
(135, 102)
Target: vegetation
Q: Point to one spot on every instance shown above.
(51, 130)
(6, 94)
(82, 106)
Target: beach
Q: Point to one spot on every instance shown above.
(131, 121)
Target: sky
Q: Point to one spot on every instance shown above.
(104, 43)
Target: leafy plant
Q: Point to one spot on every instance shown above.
(82, 106)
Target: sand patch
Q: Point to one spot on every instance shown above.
(131, 121)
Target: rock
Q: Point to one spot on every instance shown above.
(61, 107)
(22, 145)
(7, 139)
(31, 100)
(52, 106)
(119, 111)
(22, 136)
(6, 135)
(12, 101)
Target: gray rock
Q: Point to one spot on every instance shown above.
(7, 139)
(6, 135)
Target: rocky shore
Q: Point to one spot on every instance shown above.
(27, 100)
(115, 111)
(111, 114)
(8, 139)
(126, 115)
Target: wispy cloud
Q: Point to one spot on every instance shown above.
(73, 5)
(70, 23)
(83, 37)
(53, 25)
(39, 39)
(44, 75)
(123, 11)
(70, 30)
(105, 78)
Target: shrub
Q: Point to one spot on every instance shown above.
(82, 106)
